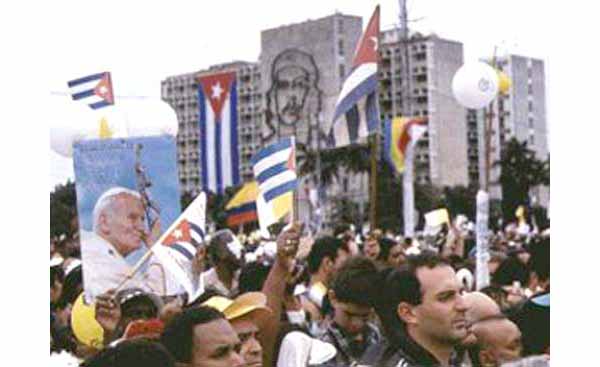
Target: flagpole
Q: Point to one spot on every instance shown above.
(373, 183)
(408, 193)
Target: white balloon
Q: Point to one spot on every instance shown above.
(148, 117)
(70, 122)
(475, 84)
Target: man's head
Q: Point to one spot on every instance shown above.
(392, 253)
(372, 248)
(119, 219)
(225, 250)
(423, 297)
(352, 294)
(480, 306)
(499, 340)
(139, 352)
(293, 74)
(202, 337)
(326, 256)
(137, 305)
(247, 315)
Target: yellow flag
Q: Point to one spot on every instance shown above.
(105, 131)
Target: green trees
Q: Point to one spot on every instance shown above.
(520, 172)
(63, 210)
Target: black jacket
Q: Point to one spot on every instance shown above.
(404, 353)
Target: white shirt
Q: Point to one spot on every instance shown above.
(211, 279)
(104, 268)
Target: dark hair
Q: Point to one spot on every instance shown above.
(217, 245)
(57, 274)
(324, 247)
(494, 292)
(340, 229)
(510, 270)
(386, 245)
(253, 276)
(72, 287)
(178, 334)
(138, 352)
(402, 285)
(539, 262)
(354, 282)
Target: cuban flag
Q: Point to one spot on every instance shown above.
(275, 171)
(95, 90)
(217, 96)
(178, 245)
(357, 111)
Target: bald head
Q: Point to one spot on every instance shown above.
(499, 340)
(480, 306)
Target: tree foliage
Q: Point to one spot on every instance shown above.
(63, 209)
(520, 172)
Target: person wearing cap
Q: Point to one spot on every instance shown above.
(247, 314)
(225, 253)
(202, 337)
(352, 296)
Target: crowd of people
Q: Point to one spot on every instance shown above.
(339, 298)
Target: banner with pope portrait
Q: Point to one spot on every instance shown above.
(127, 196)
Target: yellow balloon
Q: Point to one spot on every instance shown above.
(504, 82)
(85, 327)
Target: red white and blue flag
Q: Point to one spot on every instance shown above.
(177, 247)
(217, 97)
(96, 90)
(357, 111)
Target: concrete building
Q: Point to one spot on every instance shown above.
(304, 66)
(441, 155)
(293, 88)
(520, 114)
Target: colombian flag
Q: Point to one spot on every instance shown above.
(398, 134)
(242, 207)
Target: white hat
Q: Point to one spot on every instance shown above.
(299, 349)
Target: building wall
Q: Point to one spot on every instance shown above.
(520, 114)
(441, 155)
(303, 67)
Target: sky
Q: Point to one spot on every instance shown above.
(142, 44)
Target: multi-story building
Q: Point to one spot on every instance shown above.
(304, 66)
(441, 154)
(293, 88)
(521, 113)
(181, 92)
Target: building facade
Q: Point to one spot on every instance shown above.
(521, 113)
(426, 90)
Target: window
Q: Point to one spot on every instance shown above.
(531, 122)
(341, 25)
(530, 106)
(531, 140)
(342, 71)
(341, 47)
